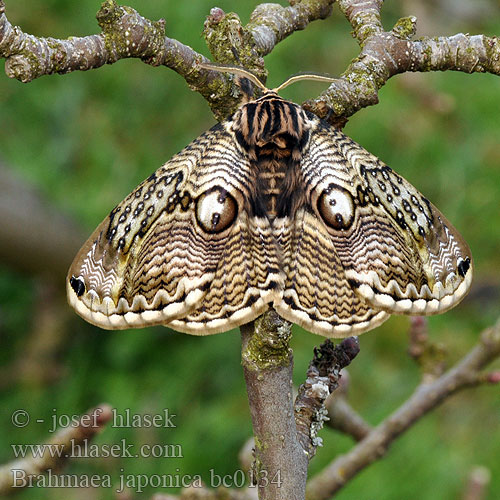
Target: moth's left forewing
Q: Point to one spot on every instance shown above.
(153, 259)
(400, 254)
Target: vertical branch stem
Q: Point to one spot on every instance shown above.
(280, 468)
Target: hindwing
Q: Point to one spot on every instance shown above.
(247, 278)
(317, 294)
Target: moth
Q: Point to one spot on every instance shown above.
(272, 207)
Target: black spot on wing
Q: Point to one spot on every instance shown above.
(463, 267)
(78, 285)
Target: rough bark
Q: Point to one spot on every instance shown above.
(323, 378)
(280, 468)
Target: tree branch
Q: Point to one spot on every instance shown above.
(125, 34)
(280, 469)
(284, 444)
(232, 43)
(271, 23)
(388, 53)
(364, 17)
(466, 373)
(323, 377)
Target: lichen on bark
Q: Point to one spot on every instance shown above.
(269, 346)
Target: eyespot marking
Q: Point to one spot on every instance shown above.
(336, 207)
(216, 210)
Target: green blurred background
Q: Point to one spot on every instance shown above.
(85, 140)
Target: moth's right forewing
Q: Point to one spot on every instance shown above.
(399, 253)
